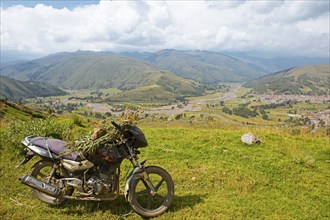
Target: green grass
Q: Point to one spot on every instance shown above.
(13, 113)
(207, 96)
(153, 93)
(215, 175)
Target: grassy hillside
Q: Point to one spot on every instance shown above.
(152, 93)
(10, 111)
(202, 66)
(14, 89)
(215, 175)
(83, 70)
(310, 80)
(90, 70)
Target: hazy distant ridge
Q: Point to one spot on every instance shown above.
(202, 66)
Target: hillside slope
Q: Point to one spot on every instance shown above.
(309, 80)
(90, 70)
(202, 66)
(13, 89)
(11, 111)
(216, 176)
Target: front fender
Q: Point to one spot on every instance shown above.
(135, 174)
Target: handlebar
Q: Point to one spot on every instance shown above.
(117, 126)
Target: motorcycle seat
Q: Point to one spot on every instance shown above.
(55, 146)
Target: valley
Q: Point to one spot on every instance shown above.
(170, 85)
(235, 104)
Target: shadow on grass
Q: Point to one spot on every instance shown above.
(79, 208)
(120, 207)
(185, 201)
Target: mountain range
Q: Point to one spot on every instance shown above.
(105, 69)
(142, 75)
(307, 80)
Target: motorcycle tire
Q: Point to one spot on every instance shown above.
(41, 171)
(140, 198)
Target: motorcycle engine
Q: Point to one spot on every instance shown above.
(102, 183)
(100, 187)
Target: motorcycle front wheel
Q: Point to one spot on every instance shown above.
(41, 171)
(143, 201)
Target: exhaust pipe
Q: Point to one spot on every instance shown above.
(40, 185)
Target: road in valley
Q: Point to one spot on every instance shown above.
(230, 95)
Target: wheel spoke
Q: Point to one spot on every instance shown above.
(143, 192)
(145, 183)
(149, 203)
(160, 197)
(159, 184)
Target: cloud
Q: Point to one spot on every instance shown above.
(269, 27)
(292, 11)
(223, 4)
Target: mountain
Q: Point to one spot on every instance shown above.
(308, 80)
(92, 70)
(13, 89)
(16, 62)
(201, 66)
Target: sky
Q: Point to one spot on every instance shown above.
(265, 28)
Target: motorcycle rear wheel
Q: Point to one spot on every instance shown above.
(41, 171)
(141, 199)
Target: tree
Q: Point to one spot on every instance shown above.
(178, 116)
(50, 110)
(227, 110)
(244, 112)
(265, 117)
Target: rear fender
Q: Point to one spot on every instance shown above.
(28, 154)
(32, 150)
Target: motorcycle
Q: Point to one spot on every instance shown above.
(62, 174)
